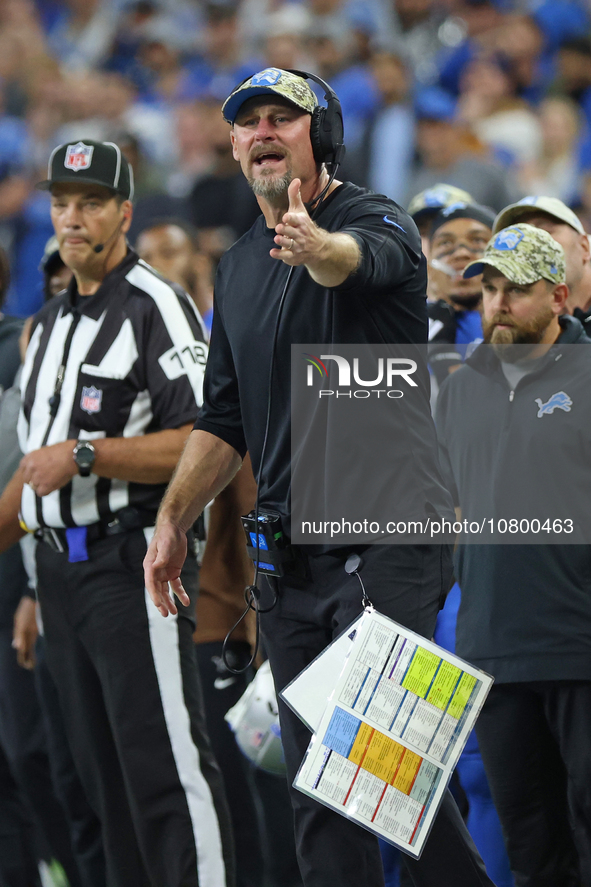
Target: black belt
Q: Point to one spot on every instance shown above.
(122, 522)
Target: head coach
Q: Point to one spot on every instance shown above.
(110, 388)
(358, 276)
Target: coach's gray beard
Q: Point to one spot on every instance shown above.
(270, 187)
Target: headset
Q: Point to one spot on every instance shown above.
(326, 128)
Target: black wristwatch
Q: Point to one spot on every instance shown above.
(84, 456)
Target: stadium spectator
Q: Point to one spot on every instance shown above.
(560, 221)
(170, 246)
(582, 203)
(555, 172)
(332, 46)
(221, 198)
(498, 117)
(423, 208)
(415, 29)
(446, 153)
(385, 153)
(285, 32)
(159, 57)
(82, 35)
(223, 62)
(459, 234)
(56, 274)
(574, 65)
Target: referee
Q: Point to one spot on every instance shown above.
(111, 386)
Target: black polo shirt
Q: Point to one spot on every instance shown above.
(134, 355)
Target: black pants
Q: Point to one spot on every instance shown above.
(535, 740)
(18, 857)
(129, 689)
(408, 584)
(23, 737)
(259, 802)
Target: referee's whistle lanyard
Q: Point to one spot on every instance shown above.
(54, 400)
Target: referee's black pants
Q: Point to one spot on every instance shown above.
(408, 583)
(129, 688)
(535, 741)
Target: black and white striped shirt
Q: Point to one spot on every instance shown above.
(134, 355)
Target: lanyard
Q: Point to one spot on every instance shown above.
(54, 400)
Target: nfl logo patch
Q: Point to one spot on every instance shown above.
(91, 399)
(78, 156)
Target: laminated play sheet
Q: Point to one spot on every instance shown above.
(392, 729)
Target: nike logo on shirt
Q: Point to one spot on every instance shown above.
(391, 222)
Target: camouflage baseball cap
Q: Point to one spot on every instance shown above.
(550, 205)
(436, 198)
(523, 254)
(271, 81)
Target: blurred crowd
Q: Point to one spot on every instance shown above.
(493, 96)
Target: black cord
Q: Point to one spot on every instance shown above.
(364, 600)
(251, 592)
(317, 202)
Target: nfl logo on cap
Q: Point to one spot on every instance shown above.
(78, 156)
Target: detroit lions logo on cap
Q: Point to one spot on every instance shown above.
(508, 239)
(459, 204)
(435, 197)
(78, 156)
(268, 77)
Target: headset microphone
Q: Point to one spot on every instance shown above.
(100, 246)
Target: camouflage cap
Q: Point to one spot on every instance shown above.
(271, 81)
(436, 198)
(550, 205)
(524, 255)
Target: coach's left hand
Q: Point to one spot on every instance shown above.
(300, 239)
(49, 468)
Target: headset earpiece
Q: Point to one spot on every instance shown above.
(326, 135)
(326, 127)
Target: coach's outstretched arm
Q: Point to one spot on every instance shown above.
(207, 465)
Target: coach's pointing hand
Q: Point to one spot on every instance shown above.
(297, 235)
(329, 257)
